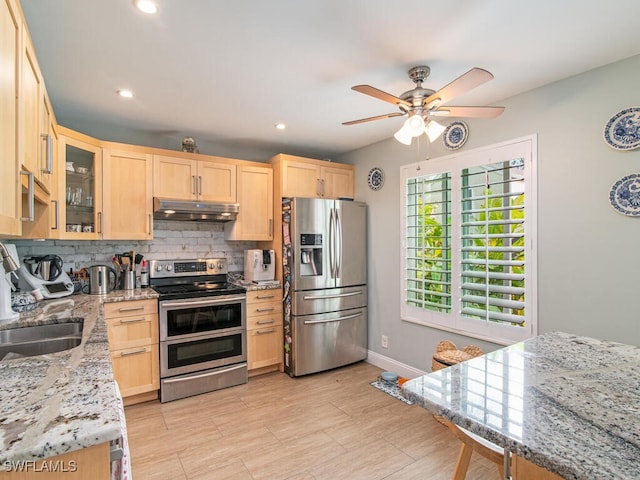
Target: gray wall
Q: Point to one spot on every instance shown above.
(588, 254)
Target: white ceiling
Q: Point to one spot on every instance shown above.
(225, 72)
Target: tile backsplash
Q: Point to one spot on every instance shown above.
(171, 239)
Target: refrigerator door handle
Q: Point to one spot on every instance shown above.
(337, 295)
(338, 240)
(331, 244)
(346, 317)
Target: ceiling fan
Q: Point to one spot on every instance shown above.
(420, 104)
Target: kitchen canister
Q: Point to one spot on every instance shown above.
(129, 280)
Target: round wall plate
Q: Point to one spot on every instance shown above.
(625, 195)
(455, 135)
(375, 178)
(622, 131)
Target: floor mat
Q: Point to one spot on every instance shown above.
(390, 389)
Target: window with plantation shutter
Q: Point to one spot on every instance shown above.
(468, 230)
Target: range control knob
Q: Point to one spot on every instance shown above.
(158, 268)
(220, 265)
(168, 268)
(212, 266)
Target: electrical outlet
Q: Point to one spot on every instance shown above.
(384, 342)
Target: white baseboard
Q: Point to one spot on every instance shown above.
(391, 365)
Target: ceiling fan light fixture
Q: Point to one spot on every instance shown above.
(403, 135)
(146, 6)
(434, 130)
(412, 127)
(415, 125)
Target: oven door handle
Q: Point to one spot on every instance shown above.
(209, 301)
(203, 375)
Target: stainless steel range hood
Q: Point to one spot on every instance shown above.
(165, 209)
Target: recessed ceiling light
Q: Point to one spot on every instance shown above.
(146, 6)
(125, 93)
(280, 126)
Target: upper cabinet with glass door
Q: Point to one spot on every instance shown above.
(80, 158)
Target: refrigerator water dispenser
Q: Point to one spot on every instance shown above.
(310, 255)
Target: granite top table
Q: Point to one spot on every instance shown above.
(56, 403)
(567, 403)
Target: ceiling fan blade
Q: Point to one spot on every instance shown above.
(465, 82)
(380, 95)
(371, 119)
(471, 112)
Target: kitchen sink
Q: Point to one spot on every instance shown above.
(40, 339)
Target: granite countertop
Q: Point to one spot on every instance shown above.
(564, 402)
(55, 403)
(239, 280)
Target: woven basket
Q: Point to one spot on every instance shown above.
(447, 354)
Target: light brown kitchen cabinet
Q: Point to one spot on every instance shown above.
(306, 177)
(10, 194)
(46, 204)
(132, 329)
(127, 193)
(80, 164)
(264, 331)
(89, 463)
(255, 196)
(184, 178)
(29, 97)
(337, 181)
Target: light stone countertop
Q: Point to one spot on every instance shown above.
(59, 402)
(567, 403)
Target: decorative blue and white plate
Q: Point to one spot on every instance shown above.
(375, 178)
(622, 131)
(625, 195)
(455, 135)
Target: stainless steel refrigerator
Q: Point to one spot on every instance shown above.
(325, 279)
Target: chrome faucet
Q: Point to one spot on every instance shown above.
(9, 265)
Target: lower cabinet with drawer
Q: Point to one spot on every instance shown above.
(264, 331)
(132, 328)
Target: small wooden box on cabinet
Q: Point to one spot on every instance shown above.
(132, 328)
(264, 331)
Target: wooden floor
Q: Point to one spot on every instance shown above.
(331, 425)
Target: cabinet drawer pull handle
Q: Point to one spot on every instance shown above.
(31, 196)
(199, 184)
(133, 352)
(130, 309)
(49, 153)
(262, 332)
(57, 215)
(260, 297)
(193, 184)
(133, 320)
(265, 322)
(270, 309)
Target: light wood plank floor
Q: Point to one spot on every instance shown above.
(331, 425)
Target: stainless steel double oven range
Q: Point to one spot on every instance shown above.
(203, 345)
